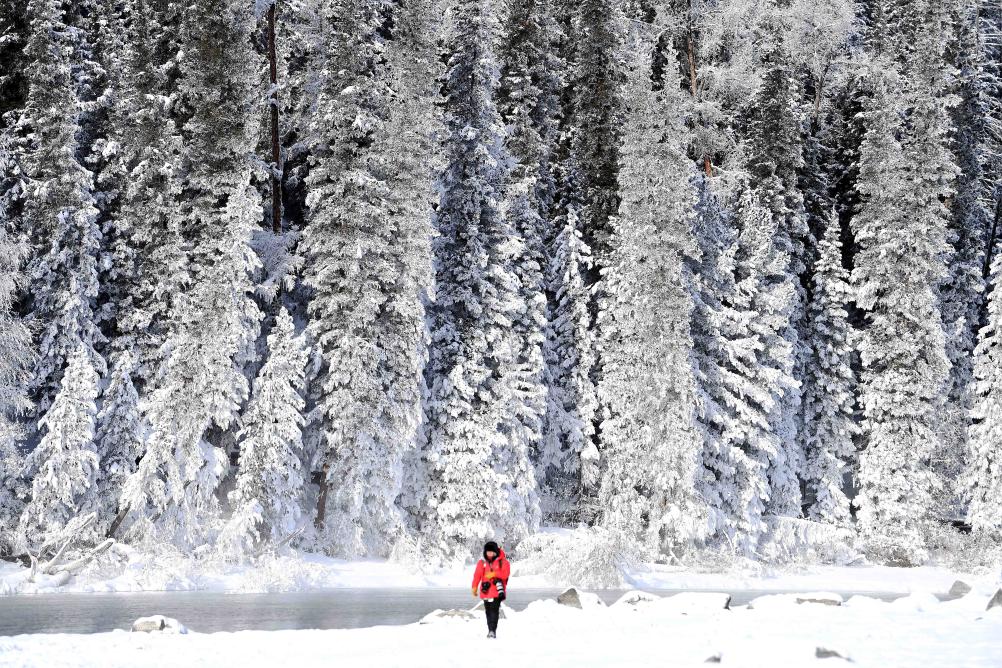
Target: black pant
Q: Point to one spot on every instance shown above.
(493, 610)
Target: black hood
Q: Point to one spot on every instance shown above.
(491, 546)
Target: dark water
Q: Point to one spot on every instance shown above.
(209, 611)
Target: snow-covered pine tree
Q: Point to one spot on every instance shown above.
(63, 467)
(984, 476)
(529, 104)
(900, 230)
(474, 465)
(368, 270)
(568, 457)
(651, 447)
(961, 294)
(712, 270)
(59, 210)
(828, 424)
(119, 435)
(147, 248)
(269, 480)
(410, 154)
(775, 137)
(596, 77)
(214, 321)
(15, 342)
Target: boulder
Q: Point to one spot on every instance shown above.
(959, 588)
(573, 598)
(713, 659)
(158, 624)
(825, 653)
(996, 601)
(447, 615)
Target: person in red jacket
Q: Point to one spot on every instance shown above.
(490, 582)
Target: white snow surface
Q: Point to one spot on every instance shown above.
(865, 630)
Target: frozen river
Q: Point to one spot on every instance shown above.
(210, 611)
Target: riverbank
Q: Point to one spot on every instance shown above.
(126, 570)
(678, 631)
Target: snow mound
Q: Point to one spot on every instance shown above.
(689, 602)
(917, 602)
(158, 624)
(774, 601)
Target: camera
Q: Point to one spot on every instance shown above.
(485, 587)
(500, 586)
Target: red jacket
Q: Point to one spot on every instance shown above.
(501, 568)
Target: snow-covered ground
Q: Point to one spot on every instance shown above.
(776, 631)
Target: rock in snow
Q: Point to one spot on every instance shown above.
(158, 624)
(959, 588)
(580, 599)
(996, 601)
(447, 615)
(636, 597)
(825, 653)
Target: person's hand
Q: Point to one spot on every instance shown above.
(474, 591)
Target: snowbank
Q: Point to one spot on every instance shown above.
(877, 634)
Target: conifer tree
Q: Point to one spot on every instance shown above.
(368, 269)
(984, 480)
(828, 424)
(568, 458)
(472, 492)
(651, 448)
(64, 465)
(59, 209)
(269, 482)
(15, 341)
(901, 233)
(214, 321)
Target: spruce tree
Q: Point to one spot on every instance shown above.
(269, 481)
(900, 229)
(829, 424)
(568, 458)
(472, 492)
(368, 270)
(64, 465)
(15, 341)
(984, 480)
(651, 448)
(59, 209)
(214, 320)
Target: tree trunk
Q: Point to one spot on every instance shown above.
(691, 57)
(276, 148)
(322, 497)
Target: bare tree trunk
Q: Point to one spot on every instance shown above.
(117, 522)
(276, 148)
(322, 497)
(693, 87)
